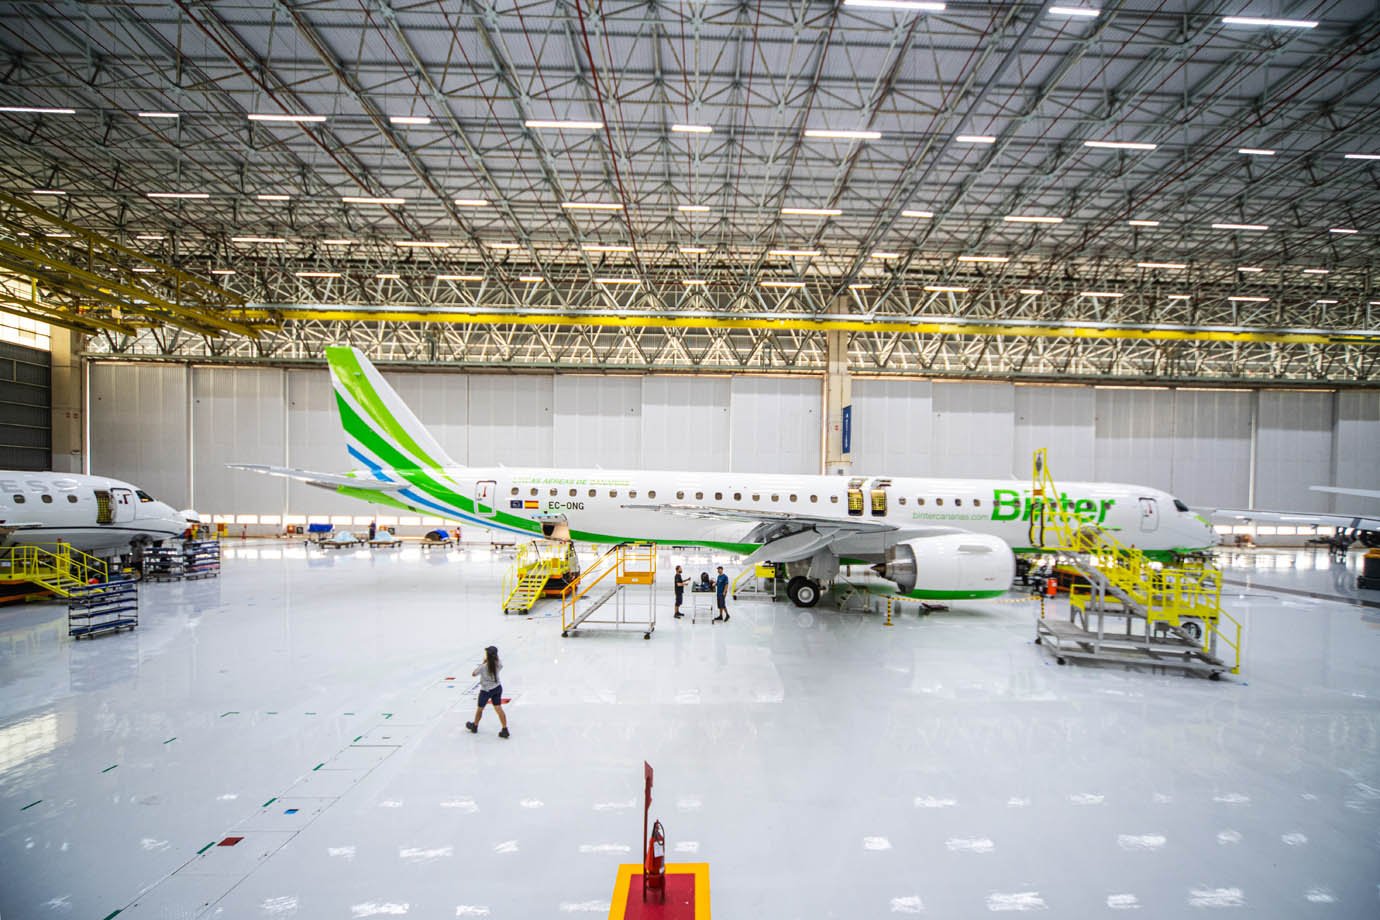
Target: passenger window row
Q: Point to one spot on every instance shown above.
(737, 497)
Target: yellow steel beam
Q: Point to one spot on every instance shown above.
(55, 316)
(806, 324)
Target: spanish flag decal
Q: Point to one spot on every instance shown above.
(531, 505)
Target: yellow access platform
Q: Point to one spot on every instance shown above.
(542, 568)
(54, 567)
(1163, 614)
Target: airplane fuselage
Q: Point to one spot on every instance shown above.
(95, 514)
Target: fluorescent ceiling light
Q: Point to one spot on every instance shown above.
(274, 197)
(388, 276)
(409, 120)
(145, 269)
(1143, 223)
(995, 259)
(472, 202)
(812, 212)
(693, 281)
(919, 215)
(1361, 156)
(1030, 219)
(617, 281)
(1325, 301)
(907, 6)
(47, 191)
(975, 139)
(503, 245)
(1256, 152)
(829, 134)
(1249, 269)
(1032, 290)
(1315, 271)
(591, 206)
(601, 247)
(35, 110)
(693, 208)
(1119, 145)
(692, 129)
(421, 244)
(884, 255)
(257, 239)
(794, 253)
(782, 284)
(945, 289)
(1245, 299)
(1241, 226)
(694, 250)
(1269, 23)
(177, 194)
(222, 271)
(157, 115)
(318, 274)
(1100, 294)
(1179, 296)
(860, 287)
(1174, 265)
(337, 242)
(459, 277)
(304, 119)
(531, 279)
(1340, 230)
(58, 235)
(369, 199)
(1081, 11)
(149, 236)
(561, 125)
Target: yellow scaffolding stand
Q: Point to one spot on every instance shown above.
(55, 567)
(625, 565)
(541, 568)
(1179, 604)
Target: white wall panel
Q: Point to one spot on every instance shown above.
(316, 442)
(776, 425)
(510, 420)
(893, 422)
(1293, 450)
(138, 417)
(1062, 420)
(1212, 448)
(1357, 453)
(238, 416)
(685, 423)
(441, 403)
(598, 421)
(1134, 440)
(974, 428)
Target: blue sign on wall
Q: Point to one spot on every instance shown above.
(847, 429)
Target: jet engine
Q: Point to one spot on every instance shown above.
(956, 563)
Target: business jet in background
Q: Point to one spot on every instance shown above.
(933, 538)
(1350, 528)
(95, 514)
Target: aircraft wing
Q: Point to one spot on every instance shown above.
(1363, 493)
(330, 481)
(1305, 518)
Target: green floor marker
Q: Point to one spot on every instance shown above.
(310, 713)
(109, 768)
(200, 851)
(269, 802)
(233, 712)
(113, 913)
(388, 715)
(349, 713)
(272, 712)
(30, 805)
(357, 737)
(171, 740)
(318, 766)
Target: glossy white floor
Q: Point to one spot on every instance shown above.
(822, 764)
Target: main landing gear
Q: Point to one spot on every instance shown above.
(802, 591)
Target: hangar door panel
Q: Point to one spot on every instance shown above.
(510, 420)
(892, 424)
(1357, 461)
(1061, 419)
(316, 442)
(775, 425)
(1294, 450)
(139, 427)
(685, 423)
(441, 403)
(974, 429)
(598, 421)
(1212, 448)
(1135, 437)
(238, 416)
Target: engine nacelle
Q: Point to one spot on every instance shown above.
(953, 565)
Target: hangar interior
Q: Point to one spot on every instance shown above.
(706, 237)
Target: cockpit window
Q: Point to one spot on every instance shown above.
(1180, 505)
(146, 497)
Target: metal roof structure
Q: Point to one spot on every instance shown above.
(1141, 190)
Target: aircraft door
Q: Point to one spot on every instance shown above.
(1149, 515)
(485, 495)
(122, 505)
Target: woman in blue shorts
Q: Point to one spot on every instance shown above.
(490, 690)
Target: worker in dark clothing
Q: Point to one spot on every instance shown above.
(721, 595)
(681, 582)
(373, 530)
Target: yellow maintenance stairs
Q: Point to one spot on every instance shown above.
(55, 567)
(1164, 615)
(625, 565)
(543, 568)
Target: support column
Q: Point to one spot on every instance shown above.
(838, 403)
(68, 418)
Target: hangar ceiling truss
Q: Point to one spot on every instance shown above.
(684, 213)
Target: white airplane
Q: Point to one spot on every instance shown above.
(1350, 527)
(95, 514)
(933, 538)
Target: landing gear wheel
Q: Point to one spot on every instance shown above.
(802, 591)
(564, 634)
(1039, 641)
(1194, 629)
(1061, 661)
(1215, 675)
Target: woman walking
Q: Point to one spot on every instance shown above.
(490, 690)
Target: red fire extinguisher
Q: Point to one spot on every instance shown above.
(654, 870)
(1051, 587)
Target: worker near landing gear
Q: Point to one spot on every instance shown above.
(681, 582)
(490, 691)
(721, 592)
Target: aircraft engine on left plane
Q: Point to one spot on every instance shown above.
(951, 564)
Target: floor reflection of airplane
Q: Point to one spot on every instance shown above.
(933, 538)
(95, 514)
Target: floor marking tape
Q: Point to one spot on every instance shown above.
(357, 737)
(109, 768)
(171, 740)
(269, 802)
(233, 712)
(318, 766)
(30, 805)
(113, 913)
(198, 852)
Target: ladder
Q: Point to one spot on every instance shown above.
(539, 566)
(625, 565)
(1181, 603)
(56, 567)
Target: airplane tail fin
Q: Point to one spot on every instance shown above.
(380, 430)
